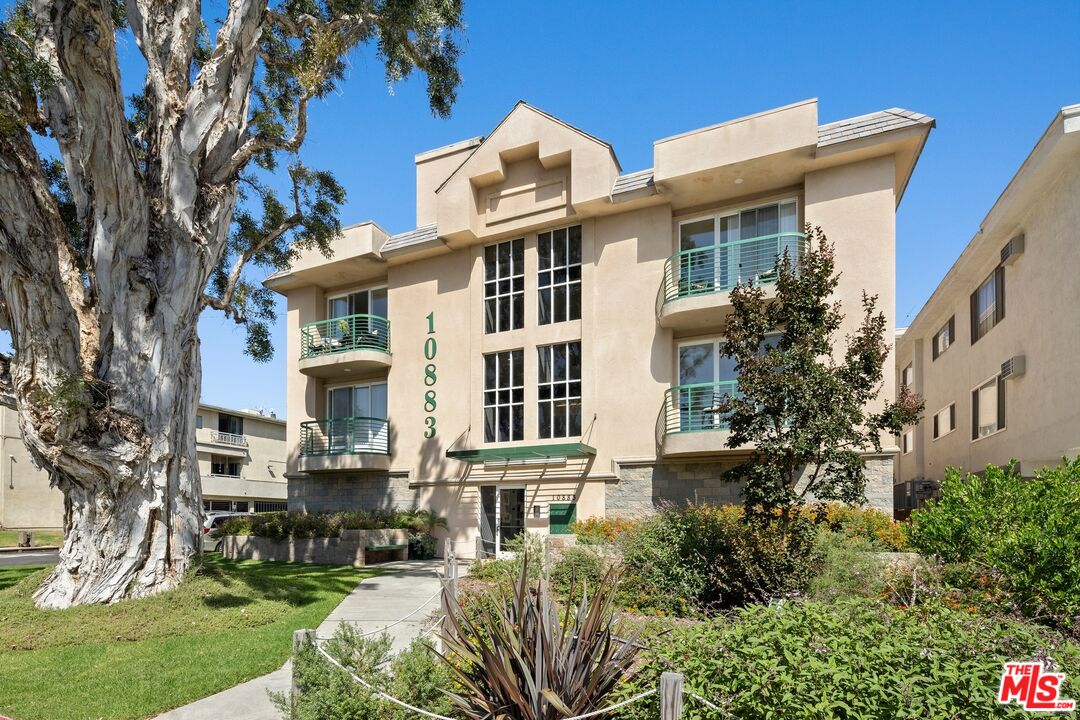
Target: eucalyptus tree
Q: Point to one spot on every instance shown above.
(123, 219)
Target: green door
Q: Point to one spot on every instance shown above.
(561, 515)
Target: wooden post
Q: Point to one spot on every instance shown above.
(671, 696)
(300, 640)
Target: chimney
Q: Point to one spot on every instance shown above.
(433, 167)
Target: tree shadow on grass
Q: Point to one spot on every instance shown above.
(296, 584)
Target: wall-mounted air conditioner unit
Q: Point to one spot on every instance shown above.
(1013, 367)
(1012, 250)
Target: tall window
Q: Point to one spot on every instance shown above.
(559, 275)
(944, 337)
(504, 286)
(988, 304)
(224, 465)
(357, 418)
(504, 396)
(559, 390)
(945, 421)
(908, 376)
(988, 408)
(233, 424)
(907, 443)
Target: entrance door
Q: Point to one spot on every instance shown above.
(502, 517)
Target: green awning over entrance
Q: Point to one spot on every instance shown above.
(531, 452)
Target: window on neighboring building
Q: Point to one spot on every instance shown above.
(198, 422)
(559, 275)
(224, 465)
(908, 441)
(944, 337)
(504, 286)
(945, 421)
(988, 304)
(559, 390)
(988, 408)
(907, 378)
(504, 396)
(270, 506)
(218, 505)
(232, 424)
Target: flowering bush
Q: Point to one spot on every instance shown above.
(602, 529)
(878, 529)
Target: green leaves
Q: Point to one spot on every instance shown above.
(802, 403)
(1020, 533)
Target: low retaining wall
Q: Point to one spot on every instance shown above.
(352, 548)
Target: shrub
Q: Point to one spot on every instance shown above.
(596, 530)
(870, 524)
(284, 525)
(506, 569)
(854, 659)
(421, 546)
(506, 646)
(846, 568)
(416, 676)
(578, 567)
(1020, 532)
(702, 558)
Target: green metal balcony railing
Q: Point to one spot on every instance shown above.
(695, 407)
(345, 436)
(718, 268)
(352, 332)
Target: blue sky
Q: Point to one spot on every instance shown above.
(992, 74)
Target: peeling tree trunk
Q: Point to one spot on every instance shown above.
(131, 527)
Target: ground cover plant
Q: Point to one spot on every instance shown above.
(231, 621)
(855, 658)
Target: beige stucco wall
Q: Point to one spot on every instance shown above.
(262, 459)
(535, 174)
(1042, 314)
(26, 499)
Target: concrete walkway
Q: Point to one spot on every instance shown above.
(372, 605)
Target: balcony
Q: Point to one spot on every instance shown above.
(691, 422)
(226, 438)
(351, 443)
(354, 343)
(695, 292)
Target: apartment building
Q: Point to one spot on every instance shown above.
(995, 351)
(241, 462)
(544, 344)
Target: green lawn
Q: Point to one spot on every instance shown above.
(10, 538)
(231, 621)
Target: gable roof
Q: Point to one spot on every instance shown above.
(549, 116)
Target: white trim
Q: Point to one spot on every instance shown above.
(499, 552)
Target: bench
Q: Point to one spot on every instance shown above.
(401, 550)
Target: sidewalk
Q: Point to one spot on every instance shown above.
(373, 604)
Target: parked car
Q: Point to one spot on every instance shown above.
(213, 521)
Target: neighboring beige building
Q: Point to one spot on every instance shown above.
(543, 346)
(241, 461)
(995, 352)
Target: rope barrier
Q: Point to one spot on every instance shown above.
(706, 703)
(398, 622)
(377, 692)
(616, 706)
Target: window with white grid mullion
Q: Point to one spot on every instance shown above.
(504, 286)
(504, 396)
(559, 275)
(558, 390)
